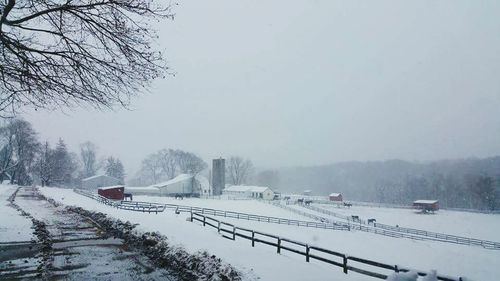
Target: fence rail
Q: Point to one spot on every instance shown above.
(428, 234)
(143, 206)
(326, 201)
(341, 260)
(324, 223)
(399, 232)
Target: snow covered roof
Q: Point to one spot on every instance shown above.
(203, 181)
(97, 176)
(307, 190)
(179, 178)
(246, 188)
(425, 201)
(111, 187)
(334, 194)
(142, 188)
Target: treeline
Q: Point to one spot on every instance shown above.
(25, 160)
(166, 164)
(467, 183)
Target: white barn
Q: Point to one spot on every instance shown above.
(97, 181)
(184, 184)
(258, 192)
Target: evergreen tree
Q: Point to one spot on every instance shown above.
(63, 165)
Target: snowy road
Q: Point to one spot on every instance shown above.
(69, 247)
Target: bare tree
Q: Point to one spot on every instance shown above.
(189, 163)
(238, 170)
(19, 148)
(88, 152)
(168, 162)
(6, 153)
(151, 169)
(57, 53)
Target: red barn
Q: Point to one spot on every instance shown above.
(112, 192)
(335, 197)
(426, 205)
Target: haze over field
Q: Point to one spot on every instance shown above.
(311, 82)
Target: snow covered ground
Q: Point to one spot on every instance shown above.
(13, 226)
(242, 206)
(455, 260)
(473, 225)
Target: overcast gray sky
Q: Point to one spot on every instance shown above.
(311, 82)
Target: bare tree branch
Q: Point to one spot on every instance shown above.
(56, 53)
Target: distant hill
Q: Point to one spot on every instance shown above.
(454, 182)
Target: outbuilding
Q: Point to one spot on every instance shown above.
(426, 205)
(257, 192)
(112, 192)
(337, 197)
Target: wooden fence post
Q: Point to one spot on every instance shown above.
(253, 238)
(345, 264)
(279, 245)
(204, 220)
(234, 233)
(307, 253)
(218, 226)
(396, 269)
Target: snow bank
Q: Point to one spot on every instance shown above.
(198, 266)
(412, 276)
(14, 226)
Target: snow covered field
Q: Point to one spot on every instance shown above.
(455, 260)
(259, 262)
(13, 226)
(474, 225)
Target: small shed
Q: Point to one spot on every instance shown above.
(337, 197)
(112, 192)
(426, 205)
(307, 192)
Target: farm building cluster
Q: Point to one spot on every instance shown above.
(183, 185)
(187, 185)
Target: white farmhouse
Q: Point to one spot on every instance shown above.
(258, 192)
